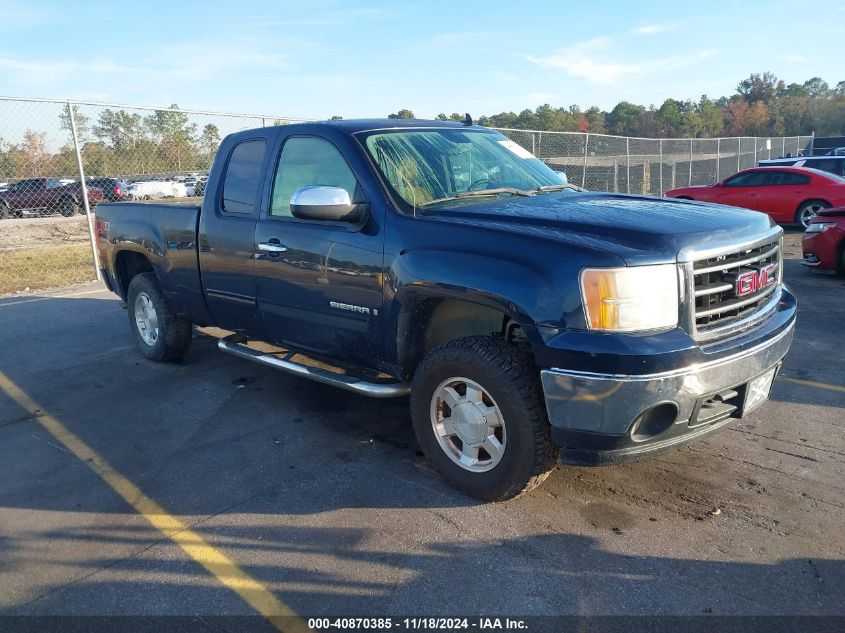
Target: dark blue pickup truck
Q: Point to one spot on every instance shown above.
(525, 319)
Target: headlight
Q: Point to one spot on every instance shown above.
(818, 227)
(630, 299)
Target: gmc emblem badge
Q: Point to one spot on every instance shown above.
(755, 280)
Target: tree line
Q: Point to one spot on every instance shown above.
(120, 142)
(762, 105)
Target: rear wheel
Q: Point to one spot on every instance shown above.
(808, 211)
(158, 333)
(5, 212)
(479, 415)
(68, 207)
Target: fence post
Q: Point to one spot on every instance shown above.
(660, 152)
(783, 149)
(718, 156)
(627, 164)
(533, 145)
(584, 173)
(689, 178)
(812, 143)
(91, 235)
(738, 153)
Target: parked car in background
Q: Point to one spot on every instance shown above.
(114, 190)
(152, 189)
(199, 187)
(835, 164)
(44, 196)
(787, 194)
(824, 241)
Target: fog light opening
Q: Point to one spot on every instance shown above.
(652, 422)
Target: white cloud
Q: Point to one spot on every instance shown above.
(595, 61)
(654, 28)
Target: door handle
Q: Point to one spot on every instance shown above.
(272, 247)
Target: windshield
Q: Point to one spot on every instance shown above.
(423, 167)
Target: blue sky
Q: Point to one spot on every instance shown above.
(319, 58)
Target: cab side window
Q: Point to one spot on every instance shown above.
(305, 161)
(749, 179)
(243, 177)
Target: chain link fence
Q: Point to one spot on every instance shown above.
(600, 162)
(59, 159)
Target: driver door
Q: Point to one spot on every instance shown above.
(743, 190)
(319, 289)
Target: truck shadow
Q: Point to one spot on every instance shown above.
(327, 571)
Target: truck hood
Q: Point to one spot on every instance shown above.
(639, 229)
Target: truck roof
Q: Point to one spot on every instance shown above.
(365, 125)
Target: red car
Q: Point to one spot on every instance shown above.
(824, 241)
(787, 194)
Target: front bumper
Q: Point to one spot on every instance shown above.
(599, 418)
(821, 250)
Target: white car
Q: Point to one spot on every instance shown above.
(151, 189)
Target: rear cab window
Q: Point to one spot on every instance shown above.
(243, 178)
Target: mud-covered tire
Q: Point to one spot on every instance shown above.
(510, 379)
(157, 332)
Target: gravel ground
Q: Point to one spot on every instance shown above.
(27, 233)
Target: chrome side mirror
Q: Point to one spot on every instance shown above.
(322, 202)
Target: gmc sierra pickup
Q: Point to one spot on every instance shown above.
(526, 320)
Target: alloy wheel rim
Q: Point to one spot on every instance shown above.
(809, 213)
(146, 319)
(468, 424)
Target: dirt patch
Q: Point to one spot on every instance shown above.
(28, 233)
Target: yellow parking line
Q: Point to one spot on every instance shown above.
(813, 383)
(34, 299)
(216, 562)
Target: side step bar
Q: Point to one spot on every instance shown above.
(233, 344)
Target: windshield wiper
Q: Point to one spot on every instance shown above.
(559, 187)
(481, 193)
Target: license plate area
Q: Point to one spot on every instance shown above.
(734, 402)
(757, 390)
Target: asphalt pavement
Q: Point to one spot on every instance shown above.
(322, 499)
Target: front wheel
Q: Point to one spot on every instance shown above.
(808, 211)
(478, 414)
(157, 332)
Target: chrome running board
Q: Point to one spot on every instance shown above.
(235, 344)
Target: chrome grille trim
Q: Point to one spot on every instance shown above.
(714, 310)
(739, 264)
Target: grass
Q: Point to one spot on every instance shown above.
(47, 267)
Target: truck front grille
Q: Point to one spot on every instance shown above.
(732, 288)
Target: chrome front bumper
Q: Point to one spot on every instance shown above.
(592, 406)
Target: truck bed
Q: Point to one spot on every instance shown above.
(164, 233)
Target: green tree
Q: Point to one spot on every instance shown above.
(759, 87)
(83, 124)
(670, 118)
(595, 120)
(120, 129)
(625, 118)
(402, 114)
